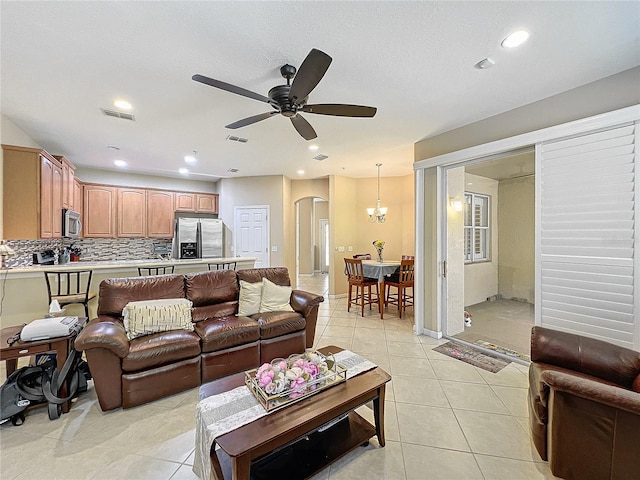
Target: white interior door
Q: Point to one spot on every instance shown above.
(324, 245)
(251, 233)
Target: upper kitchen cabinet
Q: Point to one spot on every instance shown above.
(160, 214)
(99, 211)
(32, 200)
(206, 203)
(68, 177)
(78, 196)
(185, 202)
(132, 212)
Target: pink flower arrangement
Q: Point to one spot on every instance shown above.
(296, 375)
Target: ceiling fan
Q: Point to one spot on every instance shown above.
(291, 99)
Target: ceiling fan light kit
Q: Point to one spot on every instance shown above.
(291, 99)
(378, 214)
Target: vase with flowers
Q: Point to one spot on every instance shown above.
(379, 245)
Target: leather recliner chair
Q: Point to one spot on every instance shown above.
(584, 406)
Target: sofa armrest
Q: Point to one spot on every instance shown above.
(102, 332)
(610, 395)
(306, 304)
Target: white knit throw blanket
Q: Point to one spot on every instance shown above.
(219, 414)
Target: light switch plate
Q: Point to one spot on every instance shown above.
(341, 248)
(274, 248)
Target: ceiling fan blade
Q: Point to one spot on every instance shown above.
(230, 88)
(340, 110)
(309, 75)
(303, 127)
(249, 120)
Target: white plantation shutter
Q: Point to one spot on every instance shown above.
(588, 233)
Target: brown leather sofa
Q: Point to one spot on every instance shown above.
(584, 406)
(129, 373)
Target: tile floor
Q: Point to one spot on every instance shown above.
(445, 419)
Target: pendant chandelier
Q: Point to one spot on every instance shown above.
(377, 214)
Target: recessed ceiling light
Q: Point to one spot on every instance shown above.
(123, 104)
(313, 147)
(300, 172)
(183, 171)
(120, 163)
(190, 159)
(515, 39)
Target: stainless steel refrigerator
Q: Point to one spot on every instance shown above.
(198, 237)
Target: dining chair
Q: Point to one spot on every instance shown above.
(157, 270)
(70, 287)
(408, 257)
(402, 280)
(222, 266)
(356, 278)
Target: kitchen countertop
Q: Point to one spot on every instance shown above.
(119, 265)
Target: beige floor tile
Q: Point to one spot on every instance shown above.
(337, 331)
(440, 464)
(497, 468)
(509, 376)
(456, 371)
(419, 391)
(492, 434)
(430, 426)
(381, 359)
(364, 346)
(341, 342)
(403, 324)
(370, 322)
(140, 468)
(415, 367)
(370, 463)
(370, 334)
(185, 472)
(514, 398)
(473, 396)
(342, 322)
(406, 336)
(403, 349)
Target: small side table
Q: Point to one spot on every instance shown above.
(61, 346)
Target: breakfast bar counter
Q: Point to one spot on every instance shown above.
(25, 290)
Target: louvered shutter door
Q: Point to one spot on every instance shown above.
(587, 235)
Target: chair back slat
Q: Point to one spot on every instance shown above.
(68, 283)
(406, 271)
(156, 270)
(354, 269)
(223, 266)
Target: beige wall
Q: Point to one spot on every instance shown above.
(246, 191)
(320, 211)
(127, 179)
(516, 238)
(310, 188)
(605, 95)
(343, 226)
(305, 238)
(481, 279)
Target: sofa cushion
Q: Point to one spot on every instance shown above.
(115, 293)
(636, 384)
(153, 316)
(278, 275)
(275, 298)
(160, 349)
(250, 298)
(274, 324)
(207, 288)
(225, 332)
(216, 310)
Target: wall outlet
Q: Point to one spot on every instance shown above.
(341, 248)
(274, 248)
(350, 248)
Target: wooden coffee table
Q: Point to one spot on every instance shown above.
(290, 438)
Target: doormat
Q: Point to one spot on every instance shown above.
(472, 356)
(503, 350)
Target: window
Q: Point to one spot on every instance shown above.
(476, 228)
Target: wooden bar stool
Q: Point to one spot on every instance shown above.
(222, 266)
(402, 280)
(157, 270)
(356, 278)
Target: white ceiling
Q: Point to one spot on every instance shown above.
(62, 61)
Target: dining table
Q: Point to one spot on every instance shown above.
(379, 270)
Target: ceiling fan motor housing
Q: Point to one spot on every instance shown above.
(280, 96)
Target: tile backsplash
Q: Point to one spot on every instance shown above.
(93, 249)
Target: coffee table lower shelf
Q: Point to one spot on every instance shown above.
(308, 455)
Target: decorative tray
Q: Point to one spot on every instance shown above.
(285, 381)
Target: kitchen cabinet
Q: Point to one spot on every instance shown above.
(78, 196)
(206, 203)
(132, 212)
(185, 202)
(99, 211)
(160, 213)
(68, 177)
(32, 194)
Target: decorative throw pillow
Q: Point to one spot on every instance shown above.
(275, 298)
(153, 316)
(250, 298)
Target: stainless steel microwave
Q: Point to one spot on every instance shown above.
(71, 224)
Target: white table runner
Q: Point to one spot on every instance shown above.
(222, 413)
